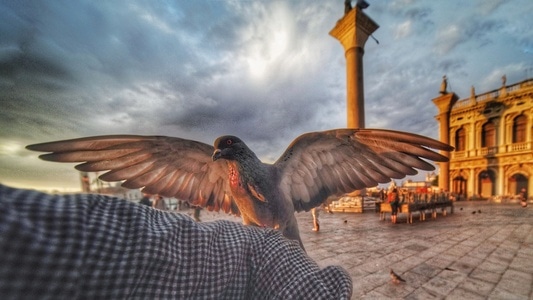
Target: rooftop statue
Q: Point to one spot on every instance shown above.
(444, 85)
(347, 6)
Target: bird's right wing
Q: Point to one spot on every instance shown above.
(168, 166)
(321, 164)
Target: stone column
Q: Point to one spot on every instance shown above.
(352, 31)
(444, 103)
(500, 187)
(473, 185)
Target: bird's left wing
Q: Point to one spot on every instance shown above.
(320, 164)
(168, 166)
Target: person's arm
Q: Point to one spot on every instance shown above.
(286, 272)
(95, 246)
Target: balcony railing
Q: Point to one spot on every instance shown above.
(488, 151)
(492, 94)
(459, 154)
(518, 147)
(492, 151)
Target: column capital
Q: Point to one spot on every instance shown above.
(445, 102)
(353, 30)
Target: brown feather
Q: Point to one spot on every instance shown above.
(162, 165)
(316, 165)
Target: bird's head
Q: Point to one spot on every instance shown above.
(228, 147)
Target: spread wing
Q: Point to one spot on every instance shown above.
(320, 164)
(168, 166)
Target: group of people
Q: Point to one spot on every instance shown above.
(393, 198)
(159, 202)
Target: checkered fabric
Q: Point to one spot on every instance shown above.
(88, 246)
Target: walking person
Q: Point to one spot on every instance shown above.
(145, 200)
(523, 197)
(196, 214)
(159, 203)
(394, 200)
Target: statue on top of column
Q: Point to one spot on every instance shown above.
(503, 89)
(472, 95)
(444, 85)
(347, 6)
(362, 4)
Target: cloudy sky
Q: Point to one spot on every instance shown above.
(266, 71)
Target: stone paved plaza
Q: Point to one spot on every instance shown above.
(487, 255)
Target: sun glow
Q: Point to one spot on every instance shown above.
(10, 148)
(268, 39)
(268, 52)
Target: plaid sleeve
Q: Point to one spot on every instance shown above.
(286, 272)
(97, 247)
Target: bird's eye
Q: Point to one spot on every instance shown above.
(229, 142)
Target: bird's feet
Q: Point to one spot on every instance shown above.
(317, 227)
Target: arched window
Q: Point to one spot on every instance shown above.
(516, 183)
(488, 135)
(519, 129)
(460, 140)
(459, 186)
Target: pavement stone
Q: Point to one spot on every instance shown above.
(464, 255)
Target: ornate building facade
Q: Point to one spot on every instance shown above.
(492, 134)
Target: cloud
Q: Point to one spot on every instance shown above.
(264, 70)
(477, 31)
(403, 30)
(489, 6)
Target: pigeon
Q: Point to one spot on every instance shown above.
(395, 277)
(229, 177)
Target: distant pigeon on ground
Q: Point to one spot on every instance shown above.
(479, 211)
(395, 277)
(231, 178)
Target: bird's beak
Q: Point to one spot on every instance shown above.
(216, 154)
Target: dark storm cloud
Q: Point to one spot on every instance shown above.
(451, 64)
(264, 70)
